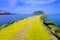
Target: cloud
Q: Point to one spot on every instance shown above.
(8, 3)
(25, 6)
(12, 2)
(39, 1)
(24, 9)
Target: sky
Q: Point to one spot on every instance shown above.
(29, 6)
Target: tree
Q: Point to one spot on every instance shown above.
(38, 12)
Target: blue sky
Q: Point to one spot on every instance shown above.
(29, 6)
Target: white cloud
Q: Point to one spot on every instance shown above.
(12, 2)
(24, 9)
(27, 8)
(39, 1)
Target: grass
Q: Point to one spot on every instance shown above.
(36, 30)
(8, 32)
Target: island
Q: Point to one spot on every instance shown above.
(2, 12)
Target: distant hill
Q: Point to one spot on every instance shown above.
(4, 12)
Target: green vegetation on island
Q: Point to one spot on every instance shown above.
(38, 12)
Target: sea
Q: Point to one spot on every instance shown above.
(55, 18)
(4, 19)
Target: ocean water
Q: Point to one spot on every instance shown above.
(55, 18)
(4, 19)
